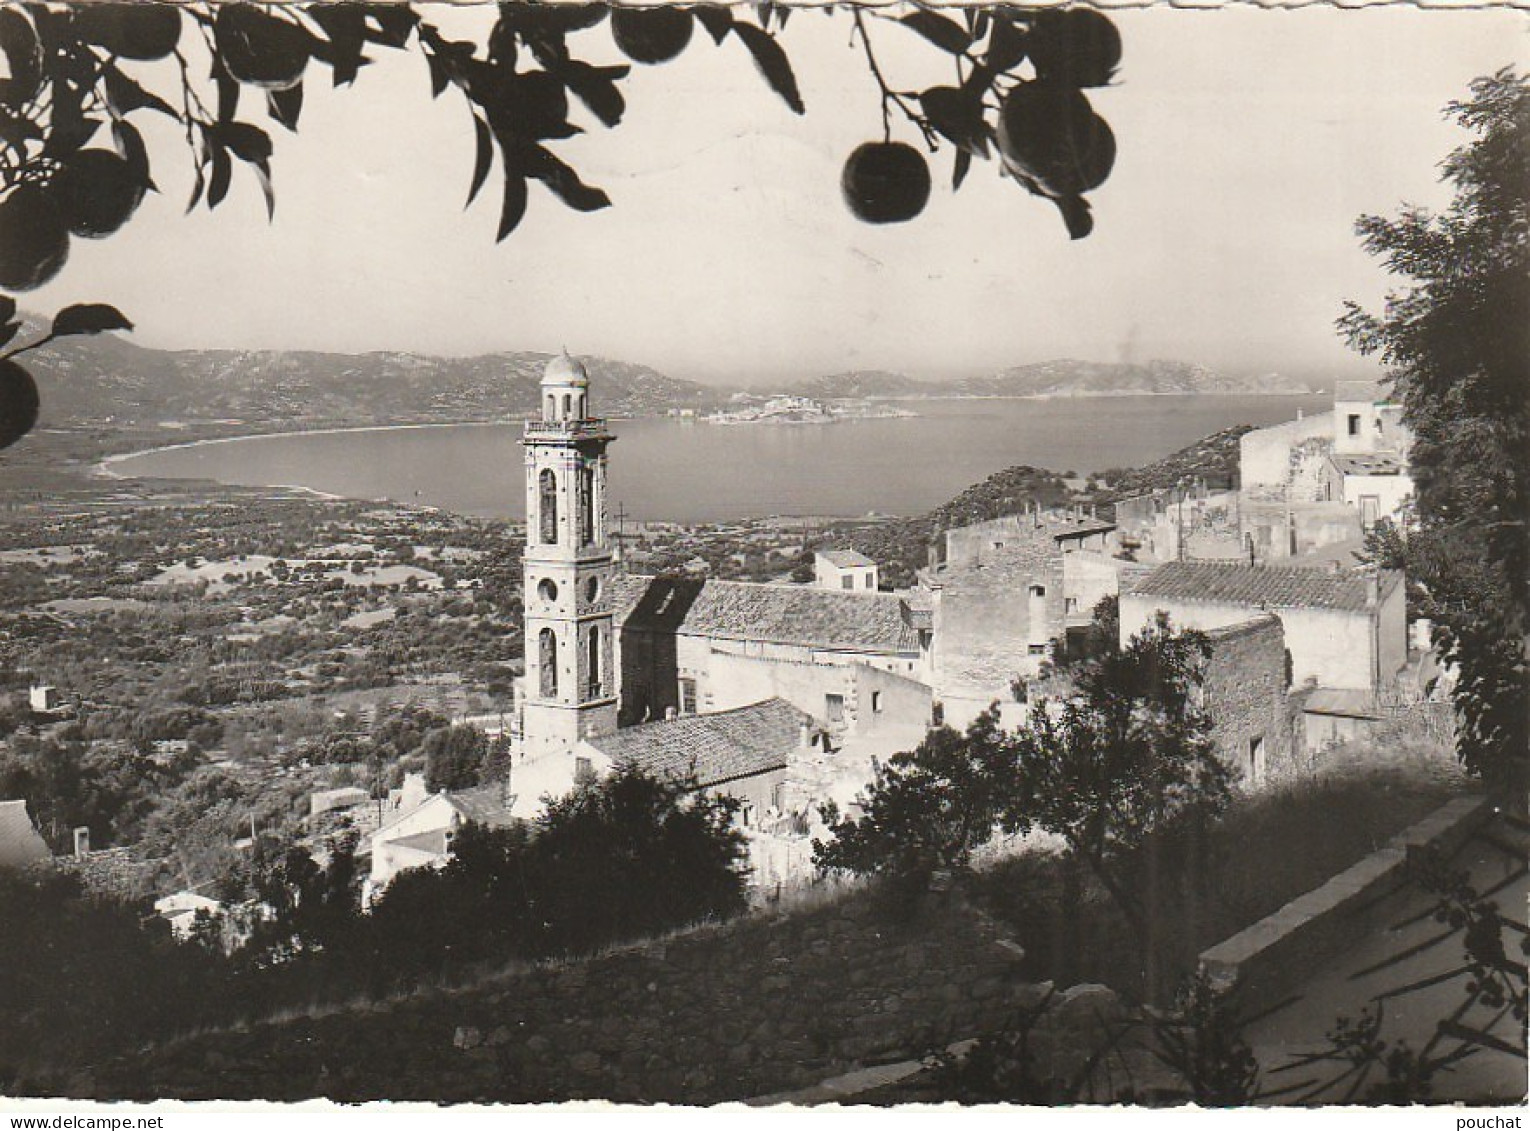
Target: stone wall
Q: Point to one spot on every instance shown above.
(1244, 692)
(759, 1006)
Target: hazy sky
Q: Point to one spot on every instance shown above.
(1249, 142)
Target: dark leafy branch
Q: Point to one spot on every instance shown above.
(74, 165)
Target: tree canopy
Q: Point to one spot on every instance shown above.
(1456, 339)
(1104, 771)
(74, 163)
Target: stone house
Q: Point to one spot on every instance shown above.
(998, 600)
(1343, 631)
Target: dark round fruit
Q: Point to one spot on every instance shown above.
(96, 191)
(650, 35)
(1049, 135)
(34, 240)
(132, 31)
(259, 48)
(886, 182)
(18, 403)
(1079, 46)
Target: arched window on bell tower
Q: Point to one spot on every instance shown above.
(592, 666)
(547, 506)
(547, 663)
(587, 533)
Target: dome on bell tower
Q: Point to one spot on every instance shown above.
(564, 370)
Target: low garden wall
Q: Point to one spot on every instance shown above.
(1261, 963)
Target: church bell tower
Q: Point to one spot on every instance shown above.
(570, 689)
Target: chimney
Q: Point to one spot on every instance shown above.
(805, 735)
(82, 841)
(670, 713)
(1372, 589)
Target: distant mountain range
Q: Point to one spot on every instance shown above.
(1055, 379)
(109, 381)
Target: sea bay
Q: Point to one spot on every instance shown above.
(691, 471)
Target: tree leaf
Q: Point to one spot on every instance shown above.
(248, 143)
(564, 182)
(8, 331)
(389, 24)
(716, 19)
(959, 170)
(439, 78)
(7, 308)
(197, 188)
(262, 169)
(483, 157)
(88, 318)
(772, 63)
(596, 88)
(942, 31)
(125, 95)
(1006, 46)
(228, 91)
(284, 106)
(222, 173)
(1075, 214)
(24, 55)
(958, 115)
(513, 205)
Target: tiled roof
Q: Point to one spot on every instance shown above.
(1275, 587)
(19, 842)
(845, 558)
(1068, 527)
(794, 614)
(776, 614)
(1380, 463)
(485, 804)
(715, 748)
(624, 591)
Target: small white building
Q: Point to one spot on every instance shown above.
(845, 571)
(180, 910)
(45, 698)
(419, 834)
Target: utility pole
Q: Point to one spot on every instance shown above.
(621, 534)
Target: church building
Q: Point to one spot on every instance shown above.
(792, 668)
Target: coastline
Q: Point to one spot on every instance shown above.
(102, 469)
